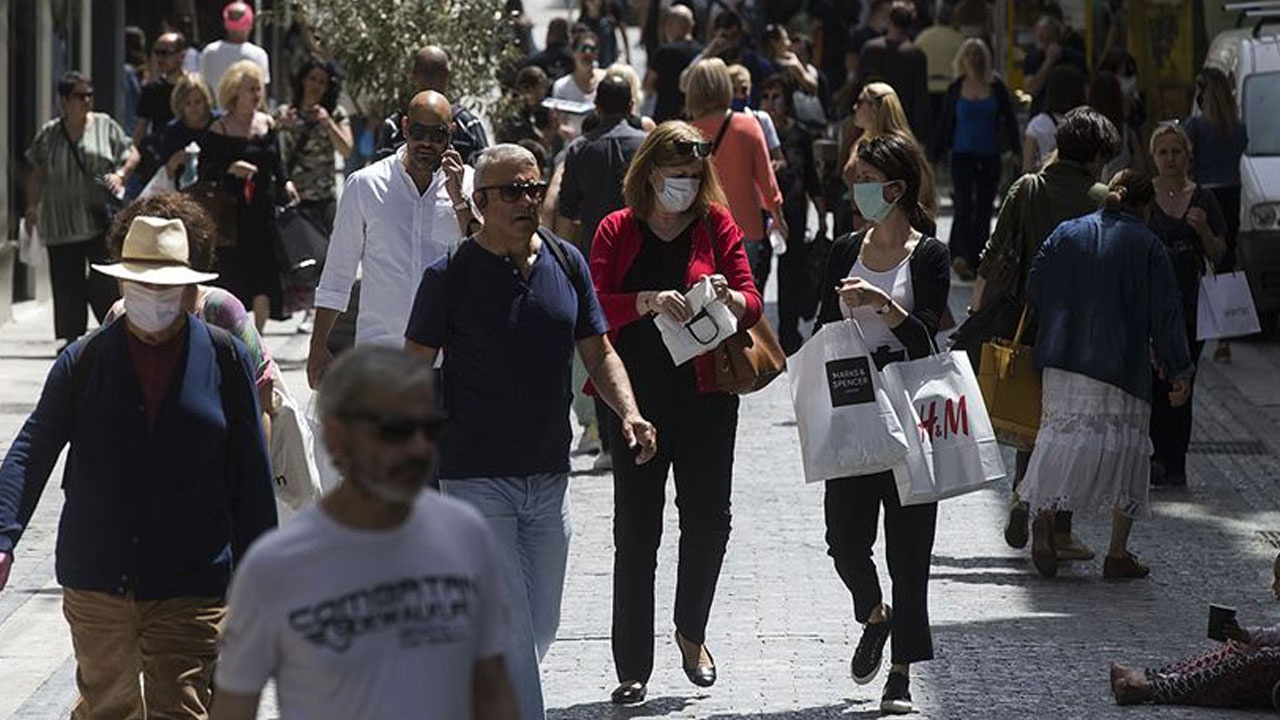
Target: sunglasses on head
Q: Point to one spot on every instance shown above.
(396, 430)
(693, 148)
(431, 133)
(535, 191)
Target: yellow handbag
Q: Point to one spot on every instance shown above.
(1010, 384)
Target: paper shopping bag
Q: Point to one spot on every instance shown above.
(712, 323)
(1225, 307)
(846, 423)
(293, 466)
(953, 448)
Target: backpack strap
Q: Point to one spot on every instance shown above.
(570, 268)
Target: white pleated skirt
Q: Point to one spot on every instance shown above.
(1093, 451)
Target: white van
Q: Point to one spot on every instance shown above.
(1251, 57)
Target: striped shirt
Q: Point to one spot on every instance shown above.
(69, 197)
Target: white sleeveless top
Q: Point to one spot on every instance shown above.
(895, 282)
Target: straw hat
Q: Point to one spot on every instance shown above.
(155, 251)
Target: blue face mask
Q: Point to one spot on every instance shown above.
(738, 105)
(869, 197)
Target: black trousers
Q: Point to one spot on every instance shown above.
(76, 286)
(696, 436)
(1171, 426)
(853, 516)
(976, 179)
(794, 280)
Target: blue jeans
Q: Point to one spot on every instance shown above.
(529, 517)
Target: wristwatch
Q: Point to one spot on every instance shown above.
(884, 309)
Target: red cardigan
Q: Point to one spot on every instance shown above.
(716, 247)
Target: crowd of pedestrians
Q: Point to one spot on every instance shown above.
(488, 290)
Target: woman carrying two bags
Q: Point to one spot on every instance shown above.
(894, 279)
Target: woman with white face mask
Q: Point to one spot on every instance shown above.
(674, 232)
(893, 278)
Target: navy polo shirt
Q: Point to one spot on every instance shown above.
(508, 358)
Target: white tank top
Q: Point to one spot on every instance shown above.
(896, 282)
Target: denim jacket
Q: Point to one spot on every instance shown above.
(1106, 299)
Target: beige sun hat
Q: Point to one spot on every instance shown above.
(156, 251)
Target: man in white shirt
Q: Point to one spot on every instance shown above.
(381, 601)
(217, 56)
(395, 218)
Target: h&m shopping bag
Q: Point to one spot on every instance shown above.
(953, 447)
(712, 323)
(846, 423)
(1225, 307)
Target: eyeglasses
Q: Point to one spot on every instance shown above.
(430, 133)
(591, 49)
(535, 191)
(693, 148)
(396, 430)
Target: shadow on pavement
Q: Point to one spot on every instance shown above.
(653, 707)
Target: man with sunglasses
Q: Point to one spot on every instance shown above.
(381, 600)
(154, 107)
(431, 72)
(509, 308)
(395, 218)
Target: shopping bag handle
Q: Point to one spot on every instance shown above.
(701, 315)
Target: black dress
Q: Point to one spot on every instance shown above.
(249, 268)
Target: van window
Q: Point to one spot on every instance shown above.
(1261, 107)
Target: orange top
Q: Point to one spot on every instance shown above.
(742, 164)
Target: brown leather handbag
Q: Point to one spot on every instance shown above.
(749, 359)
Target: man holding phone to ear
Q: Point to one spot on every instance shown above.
(395, 218)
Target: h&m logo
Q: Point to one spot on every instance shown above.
(955, 420)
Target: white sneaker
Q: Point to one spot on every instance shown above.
(603, 463)
(589, 441)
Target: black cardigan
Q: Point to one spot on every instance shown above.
(944, 131)
(930, 266)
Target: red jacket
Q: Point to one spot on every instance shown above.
(716, 247)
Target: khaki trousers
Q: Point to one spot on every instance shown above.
(171, 643)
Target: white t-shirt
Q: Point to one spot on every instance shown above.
(220, 55)
(771, 139)
(566, 88)
(361, 624)
(897, 283)
(1043, 129)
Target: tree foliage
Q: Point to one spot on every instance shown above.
(375, 43)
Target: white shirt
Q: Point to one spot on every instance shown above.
(368, 624)
(220, 55)
(566, 88)
(897, 284)
(392, 233)
(771, 139)
(1043, 128)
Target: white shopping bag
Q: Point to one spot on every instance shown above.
(712, 324)
(293, 466)
(847, 425)
(1225, 307)
(159, 183)
(953, 446)
(30, 251)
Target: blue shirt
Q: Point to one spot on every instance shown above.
(977, 131)
(508, 348)
(1105, 297)
(160, 511)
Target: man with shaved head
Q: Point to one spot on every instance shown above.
(431, 72)
(395, 218)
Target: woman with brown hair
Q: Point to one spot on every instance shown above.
(893, 278)
(1104, 275)
(674, 232)
(877, 111)
(1106, 95)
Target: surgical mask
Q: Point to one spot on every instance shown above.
(869, 197)
(1129, 85)
(678, 193)
(152, 311)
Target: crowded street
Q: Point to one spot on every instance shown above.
(993, 433)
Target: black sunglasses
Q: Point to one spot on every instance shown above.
(693, 148)
(396, 430)
(535, 191)
(431, 133)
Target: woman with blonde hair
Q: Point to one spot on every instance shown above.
(674, 232)
(193, 109)
(740, 155)
(242, 154)
(1186, 216)
(877, 111)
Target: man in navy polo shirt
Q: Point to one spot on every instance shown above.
(509, 309)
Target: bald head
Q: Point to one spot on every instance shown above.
(431, 69)
(430, 108)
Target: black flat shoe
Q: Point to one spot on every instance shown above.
(699, 673)
(629, 693)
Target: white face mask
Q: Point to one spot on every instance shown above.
(152, 310)
(678, 193)
(1129, 85)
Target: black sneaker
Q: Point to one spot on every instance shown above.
(897, 698)
(869, 655)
